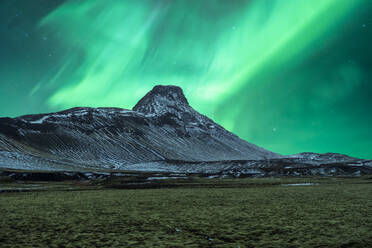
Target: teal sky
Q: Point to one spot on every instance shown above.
(290, 76)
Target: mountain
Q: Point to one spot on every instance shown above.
(161, 128)
(162, 134)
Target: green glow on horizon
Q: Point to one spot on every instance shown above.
(292, 39)
(116, 39)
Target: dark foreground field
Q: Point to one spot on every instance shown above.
(207, 213)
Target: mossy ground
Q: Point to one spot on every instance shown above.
(222, 213)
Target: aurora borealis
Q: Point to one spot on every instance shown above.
(290, 76)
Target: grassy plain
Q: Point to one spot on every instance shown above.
(336, 212)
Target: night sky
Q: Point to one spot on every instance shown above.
(290, 76)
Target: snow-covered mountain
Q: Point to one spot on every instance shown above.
(162, 133)
(161, 127)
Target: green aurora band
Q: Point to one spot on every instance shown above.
(260, 68)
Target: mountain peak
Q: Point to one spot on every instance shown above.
(161, 99)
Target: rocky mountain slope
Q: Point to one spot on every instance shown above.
(162, 133)
(162, 127)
